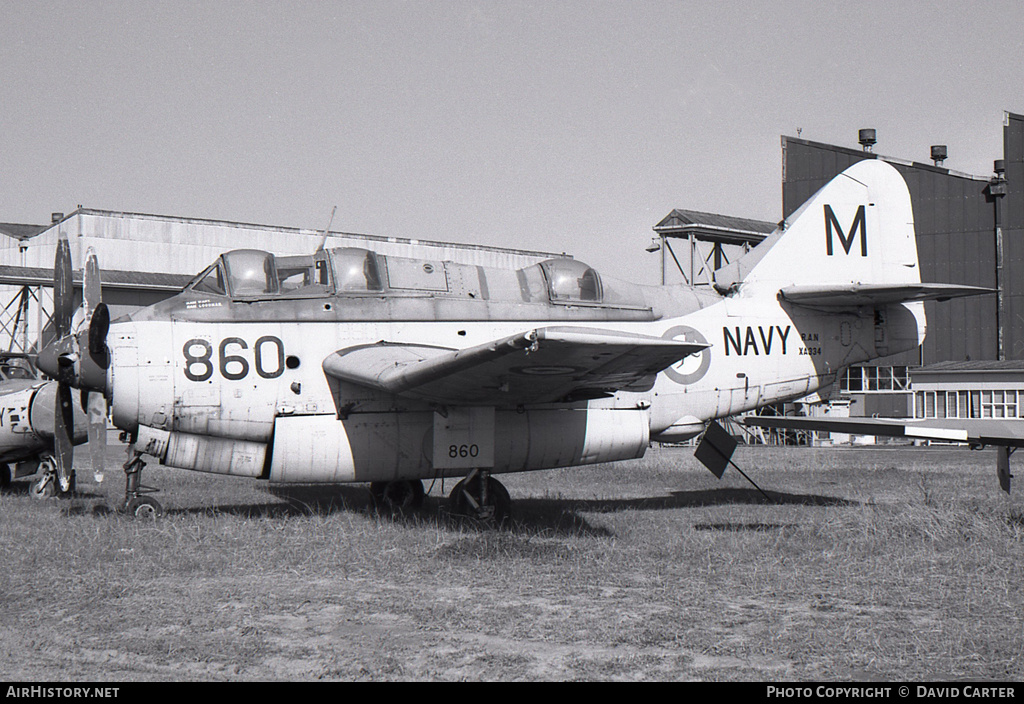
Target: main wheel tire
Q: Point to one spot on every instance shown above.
(144, 507)
(398, 495)
(496, 508)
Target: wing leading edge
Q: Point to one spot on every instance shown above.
(845, 295)
(976, 431)
(537, 366)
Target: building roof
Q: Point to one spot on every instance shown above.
(123, 215)
(20, 232)
(714, 227)
(112, 278)
(972, 366)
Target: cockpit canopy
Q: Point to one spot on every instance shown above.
(571, 281)
(356, 270)
(251, 274)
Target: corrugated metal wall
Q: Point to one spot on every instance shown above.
(1013, 236)
(955, 221)
(172, 245)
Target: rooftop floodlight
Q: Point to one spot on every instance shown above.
(867, 140)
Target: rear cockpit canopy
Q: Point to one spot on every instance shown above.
(571, 281)
(356, 270)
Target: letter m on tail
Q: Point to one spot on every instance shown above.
(858, 224)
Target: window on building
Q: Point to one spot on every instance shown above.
(860, 379)
(982, 403)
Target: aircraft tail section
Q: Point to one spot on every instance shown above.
(857, 230)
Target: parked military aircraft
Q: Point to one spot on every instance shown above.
(350, 366)
(34, 436)
(27, 406)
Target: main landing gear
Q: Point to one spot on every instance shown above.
(478, 496)
(481, 496)
(399, 495)
(136, 503)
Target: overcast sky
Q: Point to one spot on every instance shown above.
(551, 125)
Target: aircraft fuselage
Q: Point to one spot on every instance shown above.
(236, 385)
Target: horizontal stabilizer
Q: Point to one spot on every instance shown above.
(846, 295)
(538, 366)
(1003, 433)
(976, 431)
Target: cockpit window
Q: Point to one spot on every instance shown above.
(306, 275)
(13, 371)
(571, 281)
(355, 270)
(210, 281)
(251, 272)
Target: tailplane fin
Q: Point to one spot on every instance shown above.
(858, 229)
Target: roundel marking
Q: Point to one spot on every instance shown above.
(693, 368)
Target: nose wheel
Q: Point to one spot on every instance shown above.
(137, 503)
(43, 487)
(49, 484)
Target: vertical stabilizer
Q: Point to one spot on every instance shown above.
(858, 229)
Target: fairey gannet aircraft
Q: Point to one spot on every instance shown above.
(351, 366)
(27, 420)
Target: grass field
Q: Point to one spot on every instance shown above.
(869, 564)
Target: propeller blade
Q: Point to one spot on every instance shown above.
(63, 303)
(97, 317)
(63, 429)
(97, 410)
(92, 293)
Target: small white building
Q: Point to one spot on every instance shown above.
(981, 389)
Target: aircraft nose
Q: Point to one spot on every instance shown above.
(80, 360)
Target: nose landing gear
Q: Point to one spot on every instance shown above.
(136, 503)
(49, 483)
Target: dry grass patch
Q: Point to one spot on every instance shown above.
(869, 563)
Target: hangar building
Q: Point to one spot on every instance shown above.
(970, 230)
(145, 258)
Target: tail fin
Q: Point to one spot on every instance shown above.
(857, 230)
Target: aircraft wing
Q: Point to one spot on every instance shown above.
(537, 366)
(846, 295)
